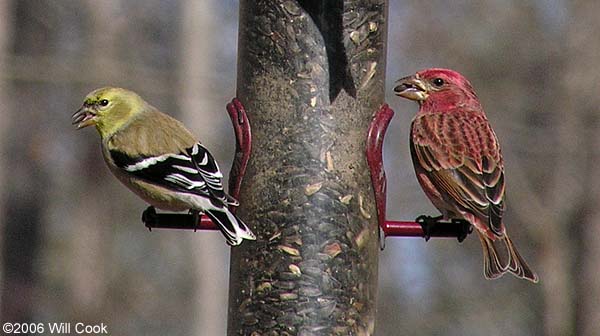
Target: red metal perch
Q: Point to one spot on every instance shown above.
(375, 138)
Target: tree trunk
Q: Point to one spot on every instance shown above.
(311, 75)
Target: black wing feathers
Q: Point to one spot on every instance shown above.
(195, 172)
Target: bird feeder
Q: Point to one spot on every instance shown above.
(309, 177)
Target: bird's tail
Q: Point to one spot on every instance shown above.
(234, 230)
(501, 256)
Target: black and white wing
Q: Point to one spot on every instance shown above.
(195, 172)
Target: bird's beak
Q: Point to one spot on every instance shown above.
(84, 117)
(412, 88)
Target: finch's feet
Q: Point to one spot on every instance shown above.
(464, 229)
(435, 227)
(149, 217)
(428, 224)
(181, 221)
(195, 218)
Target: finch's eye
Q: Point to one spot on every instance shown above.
(103, 102)
(438, 82)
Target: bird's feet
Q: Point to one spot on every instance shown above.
(195, 218)
(179, 221)
(464, 229)
(428, 224)
(435, 227)
(149, 217)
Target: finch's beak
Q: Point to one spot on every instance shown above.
(412, 88)
(84, 117)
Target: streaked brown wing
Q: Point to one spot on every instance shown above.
(459, 153)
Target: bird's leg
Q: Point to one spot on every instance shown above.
(178, 221)
(195, 218)
(149, 217)
(428, 224)
(465, 228)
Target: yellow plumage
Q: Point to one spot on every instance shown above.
(156, 157)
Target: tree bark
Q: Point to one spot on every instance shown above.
(311, 75)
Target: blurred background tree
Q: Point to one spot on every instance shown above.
(73, 248)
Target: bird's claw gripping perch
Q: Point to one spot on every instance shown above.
(149, 217)
(428, 224)
(423, 226)
(435, 227)
(464, 229)
(194, 219)
(181, 221)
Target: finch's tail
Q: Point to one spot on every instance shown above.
(234, 230)
(501, 256)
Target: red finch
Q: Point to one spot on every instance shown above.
(459, 165)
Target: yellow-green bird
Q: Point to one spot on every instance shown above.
(157, 158)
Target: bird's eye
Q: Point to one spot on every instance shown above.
(103, 102)
(438, 82)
